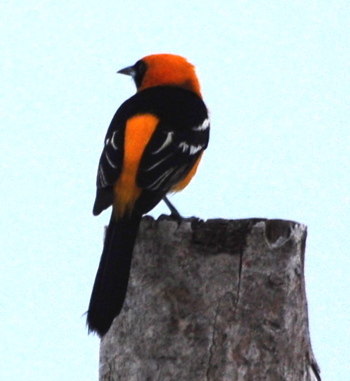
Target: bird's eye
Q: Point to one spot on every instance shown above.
(140, 70)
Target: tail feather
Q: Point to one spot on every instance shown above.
(112, 276)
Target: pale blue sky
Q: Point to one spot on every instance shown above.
(275, 75)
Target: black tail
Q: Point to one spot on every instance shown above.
(112, 276)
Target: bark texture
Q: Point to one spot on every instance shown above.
(215, 300)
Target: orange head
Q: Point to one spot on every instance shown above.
(163, 70)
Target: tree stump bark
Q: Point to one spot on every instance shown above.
(215, 300)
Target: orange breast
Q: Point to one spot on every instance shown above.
(138, 132)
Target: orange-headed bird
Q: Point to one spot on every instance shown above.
(153, 147)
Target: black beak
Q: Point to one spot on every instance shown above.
(130, 70)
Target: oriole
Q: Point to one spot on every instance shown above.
(153, 147)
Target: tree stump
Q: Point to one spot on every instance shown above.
(215, 300)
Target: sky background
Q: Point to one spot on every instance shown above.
(276, 78)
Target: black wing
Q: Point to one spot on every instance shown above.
(180, 138)
(170, 155)
(111, 161)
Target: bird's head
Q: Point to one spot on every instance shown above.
(163, 70)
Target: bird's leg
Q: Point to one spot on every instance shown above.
(174, 213)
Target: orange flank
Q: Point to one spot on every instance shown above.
(138, 132)
(182, 184)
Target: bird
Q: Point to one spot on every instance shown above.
(152, 148)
